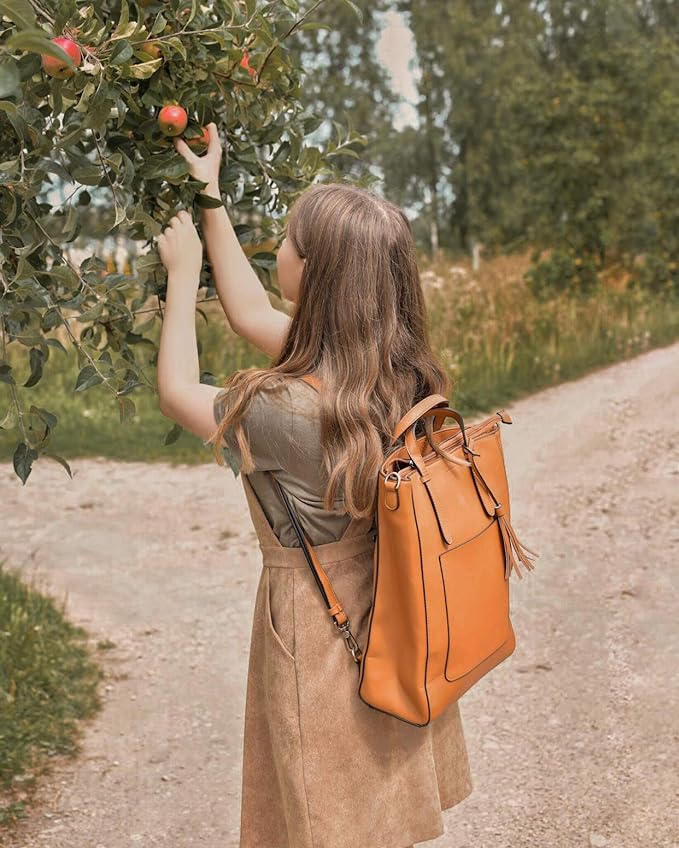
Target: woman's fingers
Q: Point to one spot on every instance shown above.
(183, 148)
(180, 219)
(214, 144)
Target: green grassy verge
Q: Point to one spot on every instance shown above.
(48, 681)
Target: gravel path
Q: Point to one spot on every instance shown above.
(573, 740)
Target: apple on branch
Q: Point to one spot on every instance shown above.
(245, 63)
(58, 68)
(151, 49)
(172, 119)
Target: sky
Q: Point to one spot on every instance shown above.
(396, 50)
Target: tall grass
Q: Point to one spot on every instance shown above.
(496, 340)
(499, 343)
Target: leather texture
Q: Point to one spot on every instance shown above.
(445, 550)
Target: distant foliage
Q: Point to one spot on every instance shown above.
(551, 126)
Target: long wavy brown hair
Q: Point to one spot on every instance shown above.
(360, 325)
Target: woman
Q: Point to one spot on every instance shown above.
(321, 769)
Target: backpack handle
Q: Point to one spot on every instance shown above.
(416, 412)
(411, 442)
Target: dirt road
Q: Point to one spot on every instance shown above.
(573, 740)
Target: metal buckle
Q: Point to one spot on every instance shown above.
(350, 643)
(396, 474)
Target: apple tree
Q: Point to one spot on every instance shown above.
(91, 94)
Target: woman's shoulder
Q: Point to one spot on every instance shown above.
(285, 396)
(278, 423)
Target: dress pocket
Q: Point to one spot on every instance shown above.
(477, 601)
(278, 598)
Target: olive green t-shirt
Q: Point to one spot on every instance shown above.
(283, 431)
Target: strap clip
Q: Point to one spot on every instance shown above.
(350, 643)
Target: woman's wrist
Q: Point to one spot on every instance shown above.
(212, 190)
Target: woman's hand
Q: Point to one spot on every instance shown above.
(181, 249)
(206, 167)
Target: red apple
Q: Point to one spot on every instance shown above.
(201, 140)
(172, 119)
(245, 63)
(54, 67)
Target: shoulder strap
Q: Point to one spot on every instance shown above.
(335, 608)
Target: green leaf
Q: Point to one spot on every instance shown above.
(87, 174)
(88, 376)
(23, 460)
(148, 261)
(121, 215)
(355, 8)
(21, 128)
(37, 359)
(314, 25)
(159, 24)
(83, 103)
(264, 259)
(9, 79)
(121, 53)
(194, 9)
(281, 153)
(172, 436)
(143, 70)
(20, 12)
(6, 375)
(92, 313)
(207, 202)
(10, 421)
(125, 27)
(48, 417)
(60, 460)
(178, 45)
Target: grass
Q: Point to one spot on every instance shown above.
(497, 342)
(48, 680)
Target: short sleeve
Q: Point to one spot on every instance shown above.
(267, 425)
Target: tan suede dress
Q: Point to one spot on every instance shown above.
(322, 769)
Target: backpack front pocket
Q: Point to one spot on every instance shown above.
(477, 600)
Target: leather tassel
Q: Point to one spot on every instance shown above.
(509, 541)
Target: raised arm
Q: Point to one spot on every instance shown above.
(243, 297)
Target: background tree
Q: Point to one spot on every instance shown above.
(345, 81)
(555, 129)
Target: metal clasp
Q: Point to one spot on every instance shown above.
(350, 643)
(396, 474)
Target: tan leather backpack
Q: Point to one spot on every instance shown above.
(444, 552)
